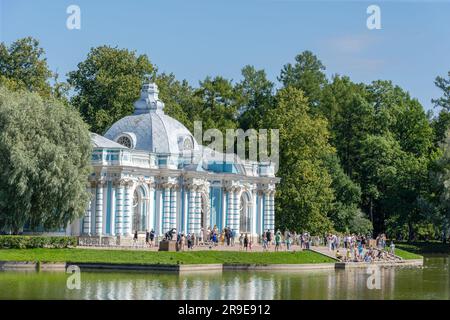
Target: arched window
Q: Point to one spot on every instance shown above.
(125, 141)
(139, 218)
(187, 144)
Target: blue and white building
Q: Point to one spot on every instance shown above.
(150, 173)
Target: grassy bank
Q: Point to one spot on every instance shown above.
(424, 247)
(406, 254)
(152, 257)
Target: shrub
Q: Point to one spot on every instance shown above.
(29, 242)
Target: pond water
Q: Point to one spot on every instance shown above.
(430, 282)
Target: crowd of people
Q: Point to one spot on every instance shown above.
(212, 237)
(347, 247)
(358, 248)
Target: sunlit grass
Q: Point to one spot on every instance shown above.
(406, 254)
(152, 257)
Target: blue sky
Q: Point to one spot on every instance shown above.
(194, 39)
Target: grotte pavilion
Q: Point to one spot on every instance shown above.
(149, 172)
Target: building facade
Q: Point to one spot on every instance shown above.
(149, 172)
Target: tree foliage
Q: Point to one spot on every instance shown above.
(304, 195)
(307, 74)
(23, 66)
(107, 84)
(352, 156)
(45, 151)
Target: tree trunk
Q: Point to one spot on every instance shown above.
(411, 235)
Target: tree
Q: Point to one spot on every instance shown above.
(345, 212)
(306, 74)
(257, 92)
(23, 66)
(438, 199)
(402, 200)
(107, 84)
(442, 123)
(350, 118)
(218, 104)
(443, 84)
(351, 126)
(178, 97)
(304, 195)
(404, 117)
(45, 151)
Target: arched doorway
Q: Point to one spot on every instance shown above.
(245, 213)
(139, 221)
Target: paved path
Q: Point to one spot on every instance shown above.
(325, 251)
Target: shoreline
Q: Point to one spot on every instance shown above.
(181, 268)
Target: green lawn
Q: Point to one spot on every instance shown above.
(152, 257)
(403, 254)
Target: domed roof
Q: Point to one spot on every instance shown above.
(150, 129)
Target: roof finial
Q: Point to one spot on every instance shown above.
(149, 100)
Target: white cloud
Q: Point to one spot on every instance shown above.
(352, 44)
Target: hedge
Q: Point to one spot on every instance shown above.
(28, 242)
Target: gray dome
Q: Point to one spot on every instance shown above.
(150, 129)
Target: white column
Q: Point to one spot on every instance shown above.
(166, 210)
(113, 211)
(151, 209)
(119, 209)
(173, 207)
(224, 207)
(254, 214)
(261, 212)
(160, 209)
(272, 211)
(87, 216)
(230, 209)
(266, 213)
(99, 209)
(127, 211)
(185, 210)
(191, 210)
(208, 211)
(236, 211)
(198, 212)
(105, 207)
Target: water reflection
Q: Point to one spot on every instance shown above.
(430, 282)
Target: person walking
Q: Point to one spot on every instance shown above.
(269, 238)
(361, 250)
(214, 239)
(246, 242)
(288, 241)
(193, 240)
(200, 236)
(135, 238)
(277, 240)
(264, 241)
(189, 241)
(392, 248)
(147, 238)
(152, 237)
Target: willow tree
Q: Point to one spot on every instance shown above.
(44, 162)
